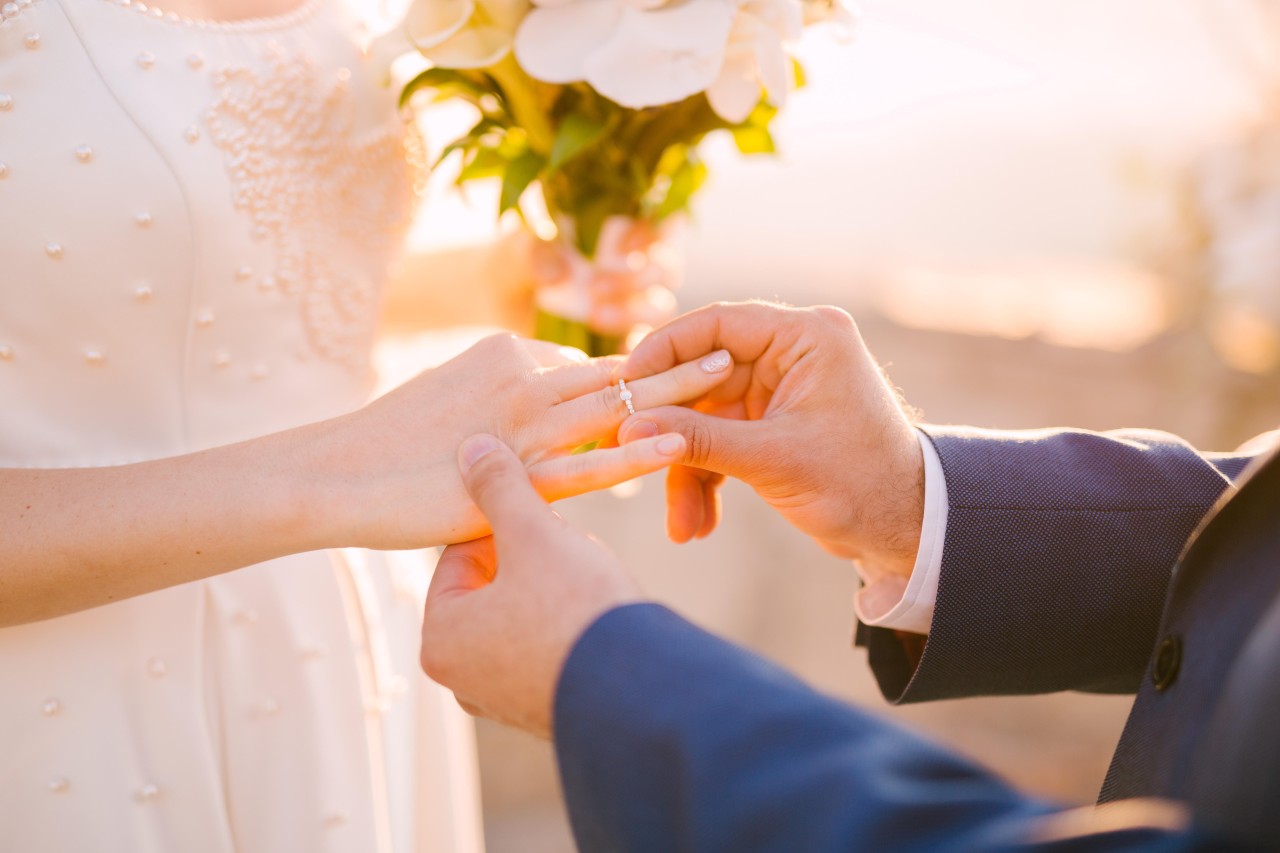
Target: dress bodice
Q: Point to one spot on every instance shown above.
(197, 219)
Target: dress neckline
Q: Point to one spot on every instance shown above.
(283, 20)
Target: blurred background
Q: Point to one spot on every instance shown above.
(1059, 212)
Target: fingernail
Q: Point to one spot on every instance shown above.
(717, 361)
(476, 448)
(641, 429)
(671, 445)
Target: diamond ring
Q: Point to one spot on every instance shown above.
(626, 396)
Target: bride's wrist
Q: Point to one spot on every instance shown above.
(356, 489)
(319, 487)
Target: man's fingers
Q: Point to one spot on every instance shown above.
(722, 445)
(693, 503)
(572, 475)
(498, 483)
(463, 568)
(711, 511)
(746, 330)
(471, 708)
(591, 416)
(685, 506)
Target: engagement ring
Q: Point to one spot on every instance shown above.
(626, 396)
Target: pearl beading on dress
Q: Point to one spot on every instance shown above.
(287, 140)
(14, 8)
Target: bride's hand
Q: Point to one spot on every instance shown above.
(387, 476)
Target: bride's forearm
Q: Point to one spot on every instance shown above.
(382, 477)
(71, 539)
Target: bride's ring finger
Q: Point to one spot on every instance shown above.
(597, 414)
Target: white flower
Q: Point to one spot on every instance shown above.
(756, 56)
(464, 33)
(645, 53)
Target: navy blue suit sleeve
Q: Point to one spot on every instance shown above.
(1060, 545)
(670, 739)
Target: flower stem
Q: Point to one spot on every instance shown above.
(521, 93)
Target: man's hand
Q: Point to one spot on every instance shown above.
(807, 419)
(504, 612)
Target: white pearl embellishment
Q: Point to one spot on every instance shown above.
(10, 10)
(221, 358)
(244, 273)
(143, 293)
(31, 40)
(58, 785)
(143, 219)
(259, 371)
(147, 793)
(84, 153)
(146, 60)
(6, 353)
(6, 102)
(93, 356)
(191, 134)
(195, 61)
(53, 250)
(205, 319)
(51, 707)
(4, 171)
(157, 668)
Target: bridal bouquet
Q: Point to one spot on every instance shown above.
(601, 105)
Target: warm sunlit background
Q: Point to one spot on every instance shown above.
(1041, 212)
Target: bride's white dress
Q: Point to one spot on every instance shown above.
(195, 220)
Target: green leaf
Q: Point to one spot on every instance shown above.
(483, 163)
(686, 180)
(450, 82)
(577, 133)
(471, 139)
(754, 140)
(521, 171)
(797, 72)
(753, 136)
(588, 222)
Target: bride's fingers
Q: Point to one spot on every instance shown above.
(582, 377)
(599, 469)
(590, 416)
(549, 355)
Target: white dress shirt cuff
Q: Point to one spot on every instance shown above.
(890, 601)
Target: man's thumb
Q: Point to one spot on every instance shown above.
(723, 445)
(497, 481)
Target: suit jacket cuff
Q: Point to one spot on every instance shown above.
(1059, 549)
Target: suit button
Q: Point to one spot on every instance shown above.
(1168, 659)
